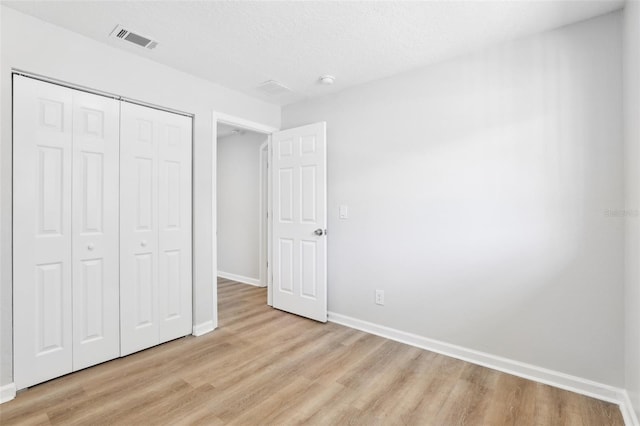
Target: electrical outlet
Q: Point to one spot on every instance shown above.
(379, 297)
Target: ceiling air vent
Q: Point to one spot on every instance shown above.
(274, 88)
(124, 34)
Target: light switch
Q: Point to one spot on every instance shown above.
(343, 212)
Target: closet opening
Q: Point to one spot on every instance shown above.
(102, 227)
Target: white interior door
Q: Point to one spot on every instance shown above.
(95, 276)
(42, 151)
(299, 185)
(155, 227)
(138, 228)
(174, 219)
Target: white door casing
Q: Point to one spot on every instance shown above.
(269, 226)
(155, 227)
(42, 150)
(263, 210)
(299, 193)
(95, 276)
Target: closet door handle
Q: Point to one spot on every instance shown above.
(90, 246)
(143, 243)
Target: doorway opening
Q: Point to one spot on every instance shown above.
(297, 197)
(241, 203)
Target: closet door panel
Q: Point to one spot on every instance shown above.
(42, 152)
(174, 216)
(155, 227)
(96, 304)
(138, 228)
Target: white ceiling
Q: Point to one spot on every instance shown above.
(240, 44)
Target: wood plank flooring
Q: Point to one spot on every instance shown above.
(266, 367)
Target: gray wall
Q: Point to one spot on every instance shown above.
(33, 45)
(239, 204)
(478, 192)
(632, 185)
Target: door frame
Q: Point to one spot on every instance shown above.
(243, 123)
(263, 210)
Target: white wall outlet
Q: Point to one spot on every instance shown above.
(379, 297)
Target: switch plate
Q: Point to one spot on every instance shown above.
(343, 212)
(379, 297)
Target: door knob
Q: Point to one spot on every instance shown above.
(143, 243)
(319, 232)
(90, 246)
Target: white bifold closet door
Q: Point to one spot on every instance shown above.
(65, 230)
(155, 227)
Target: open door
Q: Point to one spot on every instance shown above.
(299, 251)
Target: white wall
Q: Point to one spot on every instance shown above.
(632, 195)
(477, 191)
(33, 45)
(239, 204)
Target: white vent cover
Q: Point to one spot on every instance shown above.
(124, 34)
(273, 87)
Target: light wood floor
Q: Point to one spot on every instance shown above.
(263, 366)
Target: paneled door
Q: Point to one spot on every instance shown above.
(299, 205)
(65, 230)
(155, 227)
(95, 276)
(138, 228)
(174, 226)
(42, 150)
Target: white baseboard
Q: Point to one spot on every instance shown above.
(204, 328)
(553, 378)
(628, 413)
(240, 278)
(7, 392)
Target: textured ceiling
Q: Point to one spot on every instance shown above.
(240, 44)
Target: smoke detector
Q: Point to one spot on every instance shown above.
(124, 34)
(327, 79)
